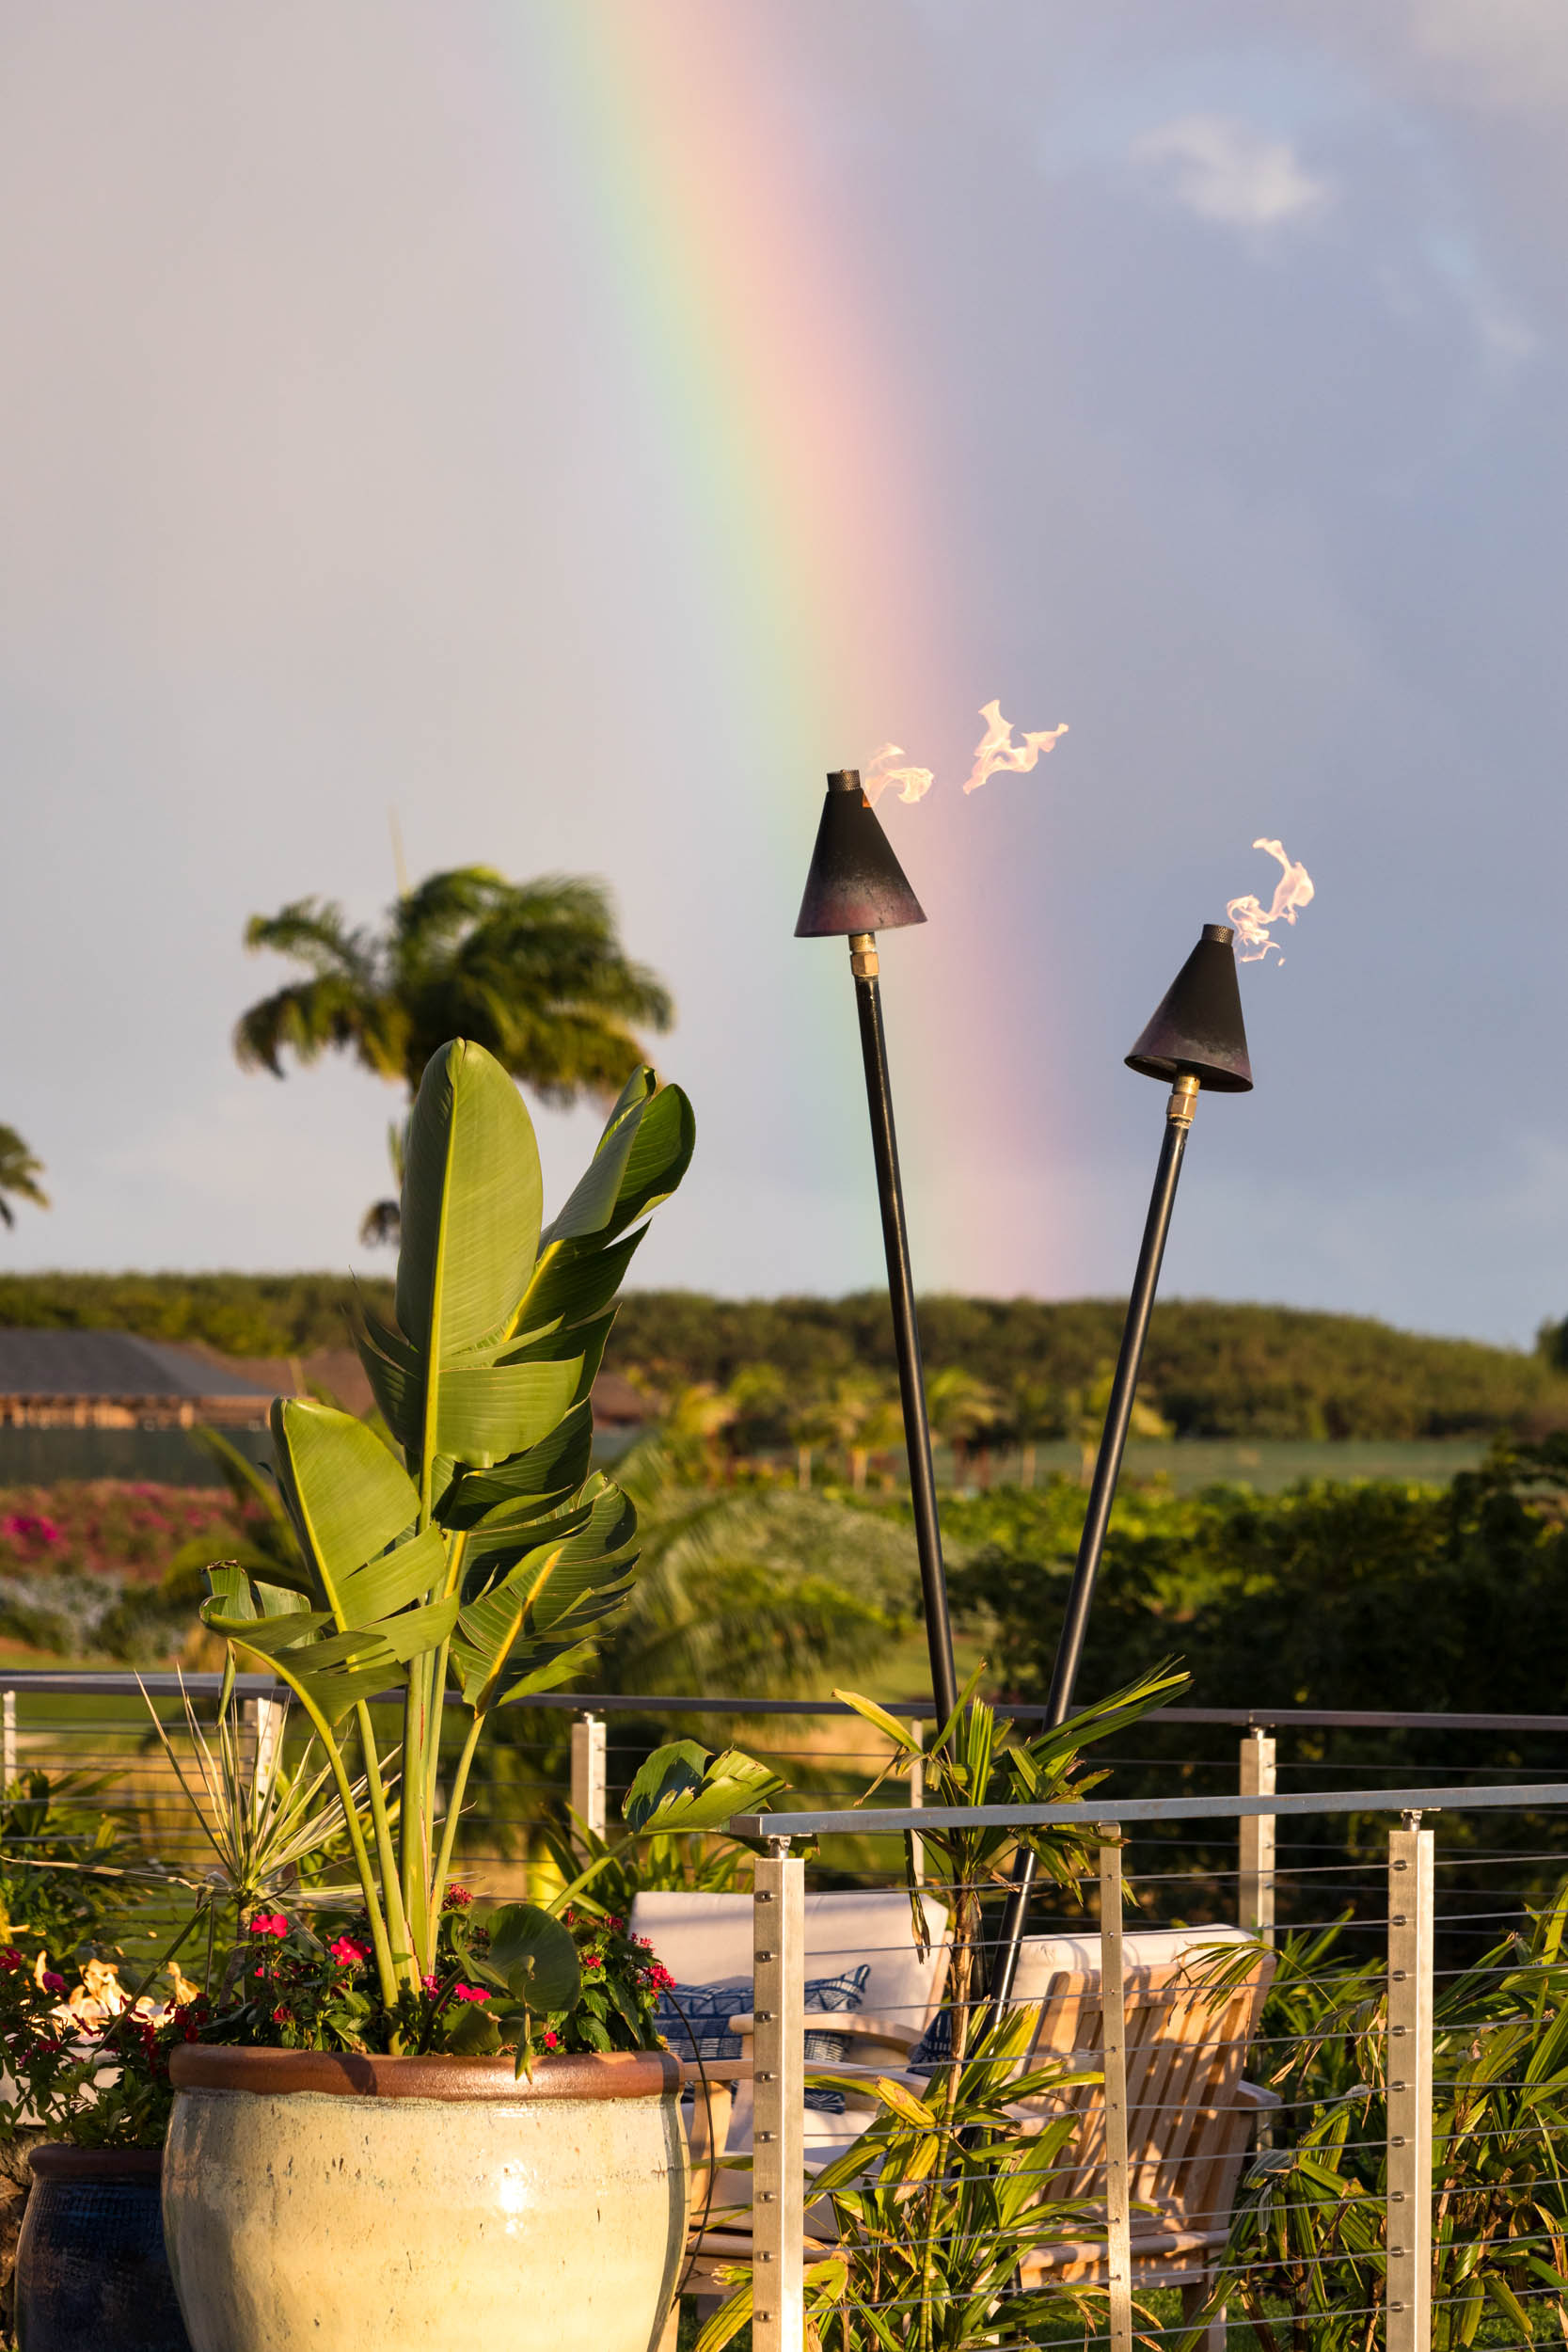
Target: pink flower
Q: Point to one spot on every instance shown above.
(258, 1971)
(456, 1899)
(430, 1984)
(346, 1952)
(469, 1992)
(552, 2041)
(592, 1960)
(53, 1983)
(11, 1959)
(269, 1923)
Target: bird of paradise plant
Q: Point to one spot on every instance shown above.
(484, 1552)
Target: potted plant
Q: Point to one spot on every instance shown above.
(89, 2088)
(404, 2156)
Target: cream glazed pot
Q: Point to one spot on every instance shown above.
(388, 2204)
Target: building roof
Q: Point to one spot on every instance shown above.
(36, 1364)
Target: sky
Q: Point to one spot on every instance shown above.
(573, 426)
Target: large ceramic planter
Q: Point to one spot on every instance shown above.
(390, 2204)
(90, 2268)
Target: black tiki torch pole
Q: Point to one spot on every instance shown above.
(906, 1329)
(1196, 1038)
(856, 888)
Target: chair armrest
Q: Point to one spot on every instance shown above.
(868, 2025)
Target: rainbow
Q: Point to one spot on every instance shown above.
(801, 465)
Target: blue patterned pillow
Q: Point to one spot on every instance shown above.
(704, 2032)
(935, 2045)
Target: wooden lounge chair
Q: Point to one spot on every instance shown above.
(1192, 1999)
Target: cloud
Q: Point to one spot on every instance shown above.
(1509, 55)
(1224, 171)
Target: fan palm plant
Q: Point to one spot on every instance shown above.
(533, 971)
(18, 1175)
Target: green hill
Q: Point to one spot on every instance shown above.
(1215, 1370)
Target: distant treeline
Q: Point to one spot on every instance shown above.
(1214, 1370)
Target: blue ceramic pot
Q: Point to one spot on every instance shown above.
(90, 2267)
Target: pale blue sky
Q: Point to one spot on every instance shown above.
(1231, 334)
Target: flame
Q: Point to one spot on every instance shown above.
(913, 783)
(996, 748)
(1292, 890)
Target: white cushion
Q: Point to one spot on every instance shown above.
(703, 1938)
(1040, 1956)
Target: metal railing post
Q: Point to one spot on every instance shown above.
(917, 1796)
(588, 1773)
(7, 1737)
(264, 1720)
(1254, 1890)
(778, 2137)
(1410, 1874)
(1113, 1998)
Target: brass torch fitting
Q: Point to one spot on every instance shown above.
(863, 955)
(1184, 1102)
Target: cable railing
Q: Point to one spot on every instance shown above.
(1214, 2195)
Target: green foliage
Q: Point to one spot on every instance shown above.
(242, 1314)
(20, 1173)
(1375, 1597)
(933, 2204)
(97, 2085)
(60, 1852)
(487, 1551)
(533, 971)
(1212, 1369)
(1307, 2253)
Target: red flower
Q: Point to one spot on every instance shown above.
(11, 1959)
(552, 2041)
(281, 2016)
(53, 1983)
(346, 1952)
(269, 1923)
(469, 1992)
(661, 1979)
(456, 1899)
(430, 1984)
(592, 1960)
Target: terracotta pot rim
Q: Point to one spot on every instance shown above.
(613, 2074)
(58, 2160)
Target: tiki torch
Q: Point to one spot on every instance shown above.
(1197, 1039)
(857, 887)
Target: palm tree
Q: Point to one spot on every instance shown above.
(18, 1175)
(963, 1410)
(1033, 1411)
(532, 971)
(1086, 1409)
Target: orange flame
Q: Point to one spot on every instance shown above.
(1292, 890)
(913, 783)
(996, 748)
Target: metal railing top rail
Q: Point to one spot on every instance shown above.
(64, 1682)
(900, 1821)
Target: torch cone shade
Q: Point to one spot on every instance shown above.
(1198, 1031)
(855, 883)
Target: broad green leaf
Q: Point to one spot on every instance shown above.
(571, 1286)
(557, 1464)
(536, 1956)
(484, 1415)
(592, 1201)
(683, 1788)
(403, 1575)
(347, 1496)
(416, 1631)
(472, 1197)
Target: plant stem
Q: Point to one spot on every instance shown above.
(455, 1812)
(373, 1912)
(414, 1824)
(396, 1919)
